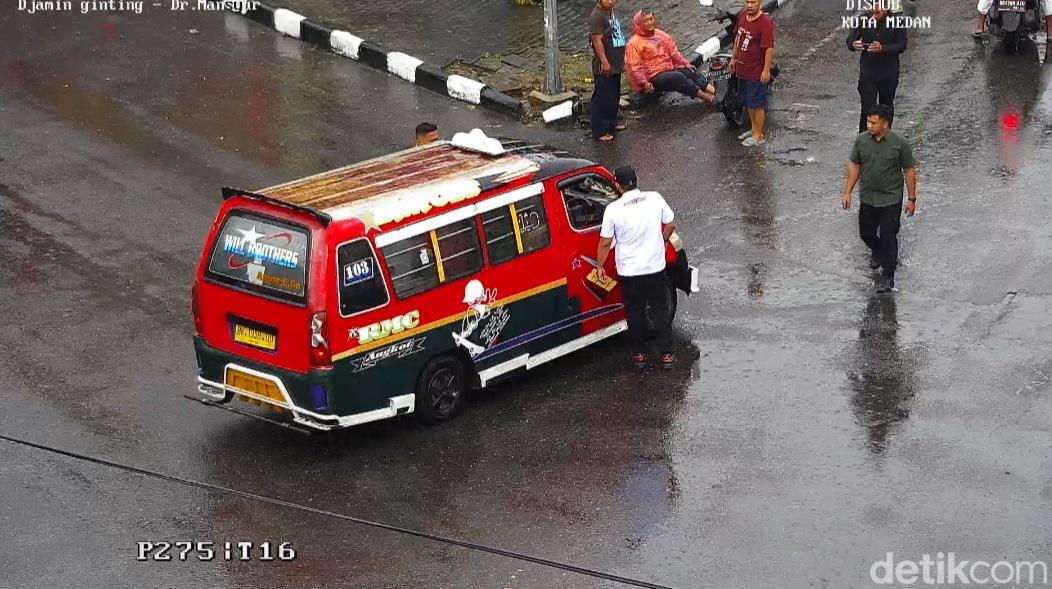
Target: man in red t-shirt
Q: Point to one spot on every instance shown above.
(751, 63)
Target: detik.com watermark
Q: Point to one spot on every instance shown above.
(946, 569)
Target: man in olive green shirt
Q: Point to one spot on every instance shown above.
(880, 158)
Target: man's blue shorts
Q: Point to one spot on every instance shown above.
(753, 93)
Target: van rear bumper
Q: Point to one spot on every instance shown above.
(295, 390)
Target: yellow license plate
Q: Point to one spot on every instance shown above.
(251, 383)
(606, 283)
(254, 337)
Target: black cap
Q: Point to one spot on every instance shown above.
(625, 176)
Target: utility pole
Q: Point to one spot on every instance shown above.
(553, 82)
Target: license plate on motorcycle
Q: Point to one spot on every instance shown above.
(719, 76)
(1013, 6)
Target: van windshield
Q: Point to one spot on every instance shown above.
(262, 255)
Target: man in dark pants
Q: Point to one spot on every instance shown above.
(641, 223)
(608, 43)
(878, 74)
(879, 158)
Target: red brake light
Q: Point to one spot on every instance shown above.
(319, 346)
(195, 308)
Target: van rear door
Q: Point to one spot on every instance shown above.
(255, 293)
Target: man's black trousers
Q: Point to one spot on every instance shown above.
(638, 292)
(879, 228)
(874, 92)
(606, 98)
(683, 80)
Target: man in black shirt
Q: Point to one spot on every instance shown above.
(878, 76)
(608, 43)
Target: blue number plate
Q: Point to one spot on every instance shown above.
(358, 271)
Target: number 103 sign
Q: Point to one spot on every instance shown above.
(358, 271)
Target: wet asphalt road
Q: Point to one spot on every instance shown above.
(809, 429)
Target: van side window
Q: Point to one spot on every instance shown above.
(459, 253)
(412, 265)
(586, 199)
(361, 285)
(519, 228)
(424, 261)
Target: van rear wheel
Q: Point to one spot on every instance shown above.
(440, 390)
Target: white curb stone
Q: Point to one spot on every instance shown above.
(402, 65)
(287, 22)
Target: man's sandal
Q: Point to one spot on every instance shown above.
(605, 138)
(745, 135)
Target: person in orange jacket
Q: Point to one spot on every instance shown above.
(654, 64)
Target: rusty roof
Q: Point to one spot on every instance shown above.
(392, 174)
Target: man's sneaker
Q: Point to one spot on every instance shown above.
(874, 263)
(667, 360)
(886, 285)
(640, 360)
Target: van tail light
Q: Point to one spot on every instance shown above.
(195, 308)
(319, 347)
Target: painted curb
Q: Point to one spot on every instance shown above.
(401, 65)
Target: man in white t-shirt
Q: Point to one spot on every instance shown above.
(639, 224)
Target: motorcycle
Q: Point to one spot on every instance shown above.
(720, 75)
(1013, 21)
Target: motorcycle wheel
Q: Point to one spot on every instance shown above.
(1011, 41)
(732, 107)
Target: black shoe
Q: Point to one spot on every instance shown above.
(886, 285)
(640, 361)
(874, 263)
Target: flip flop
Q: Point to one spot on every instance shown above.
(977, 34)
(745, 135)
(621, 127)
(750, 142)
(605, 138)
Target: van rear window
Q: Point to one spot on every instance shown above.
(262, 255)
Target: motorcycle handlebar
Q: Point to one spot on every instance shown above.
(722, 15)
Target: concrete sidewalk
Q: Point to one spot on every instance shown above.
(497, 41)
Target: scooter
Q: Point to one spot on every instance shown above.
(721, 76)
(1013, 21)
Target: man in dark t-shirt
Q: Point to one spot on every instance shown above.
(751, 62)
(608, 44)
(880, 158)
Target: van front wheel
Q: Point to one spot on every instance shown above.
(440, 390)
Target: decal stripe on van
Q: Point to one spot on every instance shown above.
(445, 321)
(547, 330)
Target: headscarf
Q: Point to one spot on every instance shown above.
(637, 25)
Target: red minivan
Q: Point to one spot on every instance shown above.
(392, 285)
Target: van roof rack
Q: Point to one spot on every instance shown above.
(365, 186)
